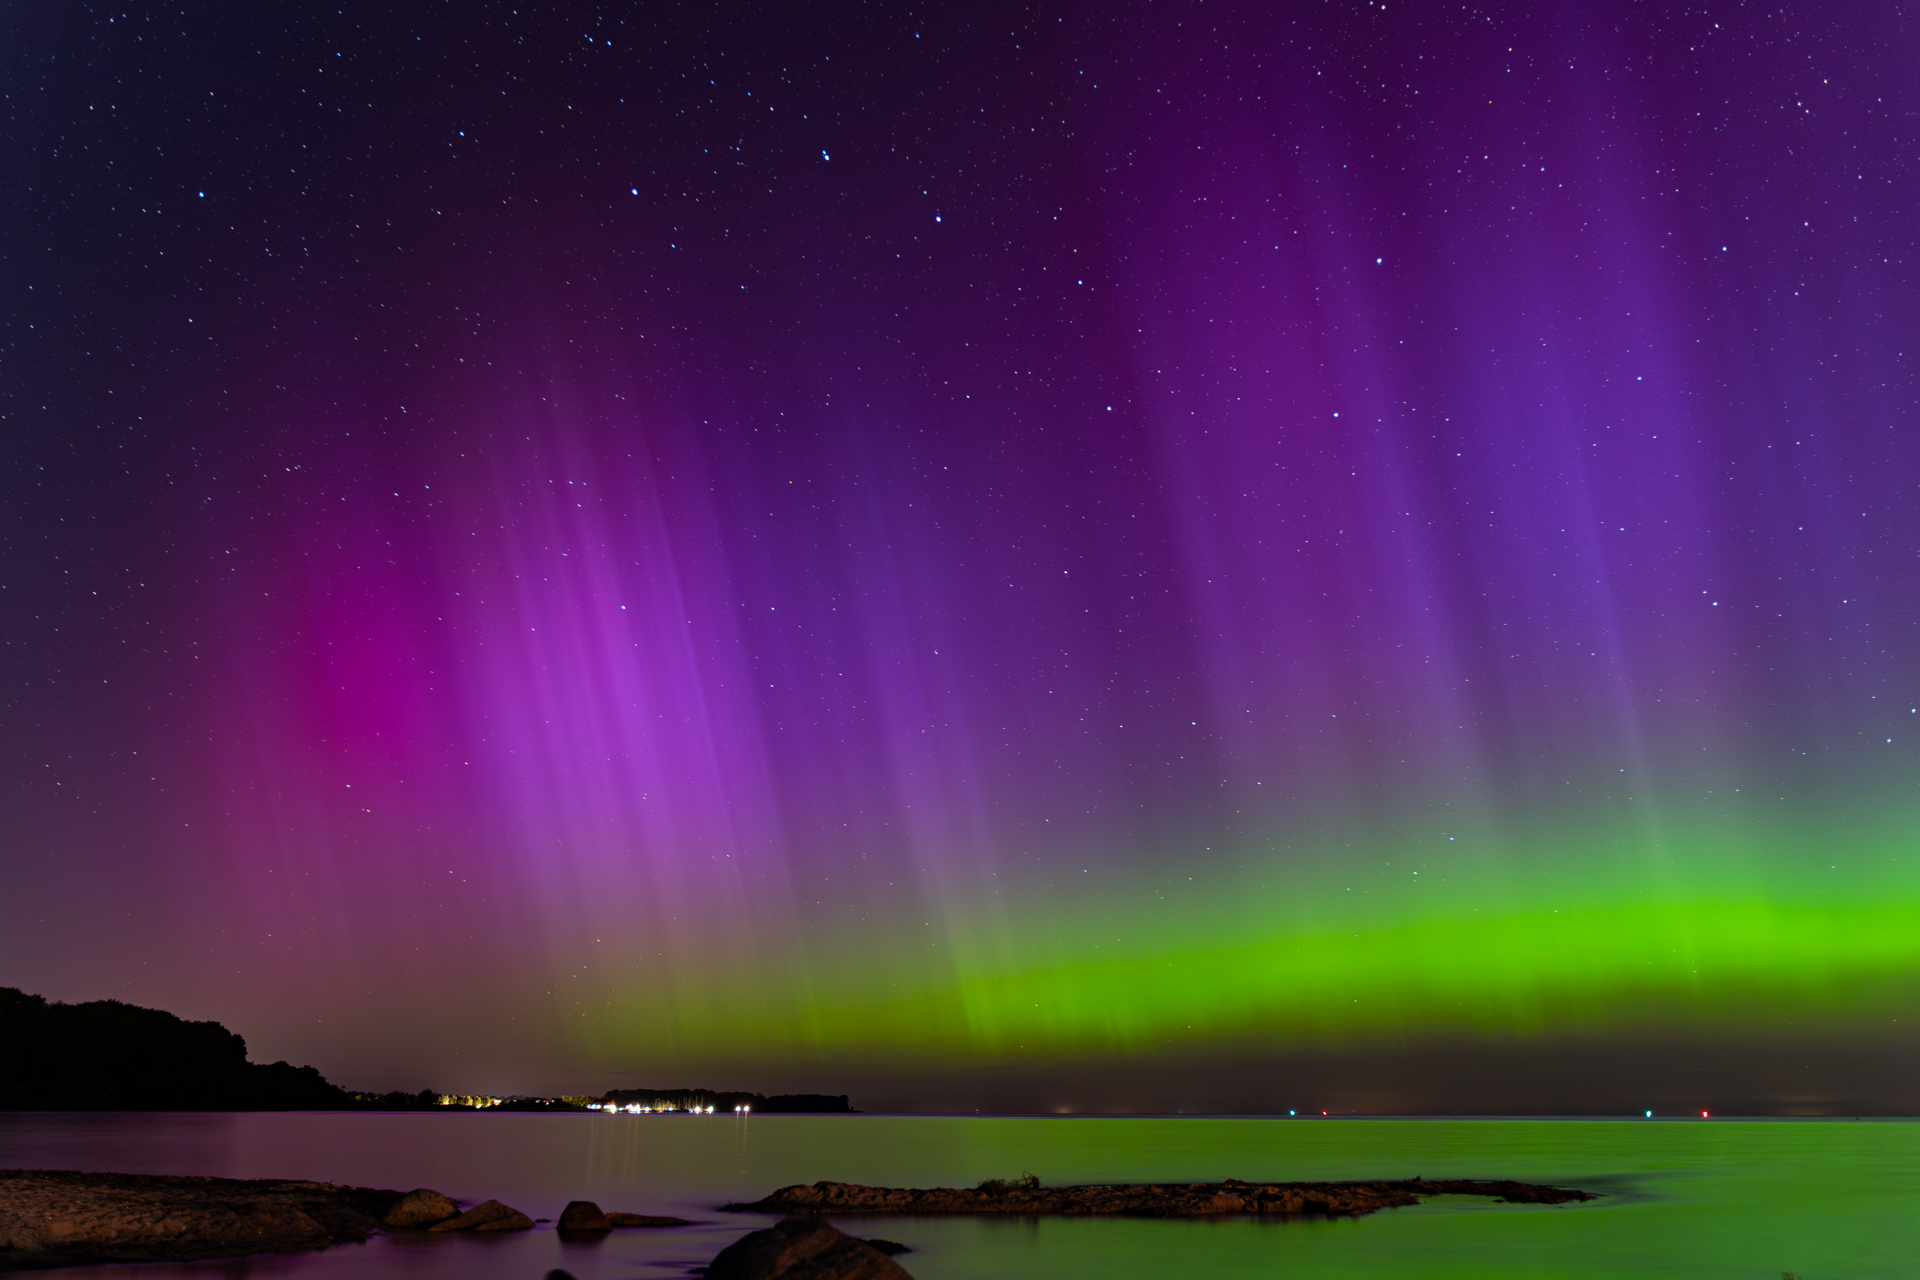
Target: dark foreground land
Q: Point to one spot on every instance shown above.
(1158, 1200)
(60, 1219)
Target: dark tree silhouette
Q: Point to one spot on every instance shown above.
(104, 1055)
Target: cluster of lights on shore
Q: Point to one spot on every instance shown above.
(635, 1109)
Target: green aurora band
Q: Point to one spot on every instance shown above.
(1724, 919)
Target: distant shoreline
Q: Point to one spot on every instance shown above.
(105, 1055)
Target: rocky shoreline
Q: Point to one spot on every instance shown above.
(56, 1218)
(61, 1218)
(1154, 1200)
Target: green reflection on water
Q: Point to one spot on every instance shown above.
(1682, 1198)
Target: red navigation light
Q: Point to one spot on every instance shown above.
(1703, 1115)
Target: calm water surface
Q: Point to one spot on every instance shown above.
(1826, 1200)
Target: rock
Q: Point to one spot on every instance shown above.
(490, 1216)
(888, 1247)
(585, 1215)
(420, 1208)
(1155, 1200)
(514, 1221)
(802, 1249)
(55, 1218)
(20, 1238)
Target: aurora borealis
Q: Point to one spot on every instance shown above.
(964, 552)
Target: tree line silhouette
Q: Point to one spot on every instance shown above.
(104, 1055)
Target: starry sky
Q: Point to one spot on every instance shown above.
(1155, 554)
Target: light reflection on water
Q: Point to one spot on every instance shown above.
(1697, 1199)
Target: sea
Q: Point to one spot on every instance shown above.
(1828, 1199)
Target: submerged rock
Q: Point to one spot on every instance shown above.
(1157, 1200)
(420, 1208)
(803, 1248)
(490, 1216)
(583, 1215)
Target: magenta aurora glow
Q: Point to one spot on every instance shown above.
(1196, 554)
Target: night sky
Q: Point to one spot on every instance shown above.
(1158, 554)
